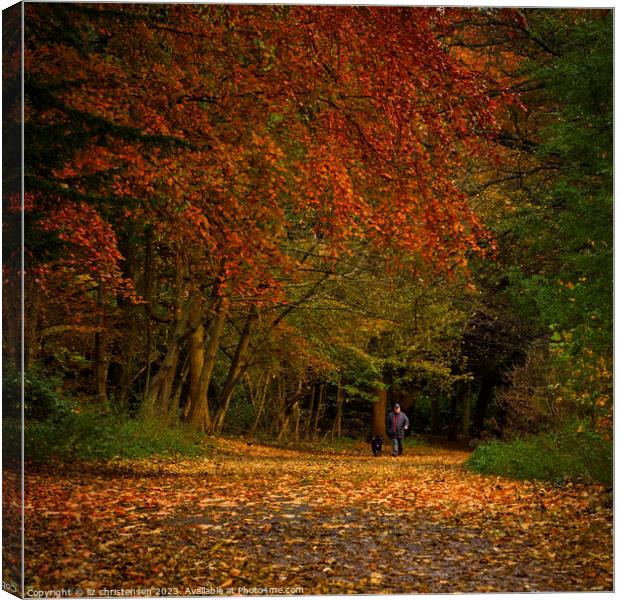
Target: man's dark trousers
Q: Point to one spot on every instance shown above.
(397, 446)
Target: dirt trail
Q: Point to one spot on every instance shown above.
(255, 517)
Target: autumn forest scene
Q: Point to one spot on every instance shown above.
(316, 300)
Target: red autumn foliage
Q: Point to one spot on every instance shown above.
(227, 127)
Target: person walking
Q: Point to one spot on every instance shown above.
(397, 423)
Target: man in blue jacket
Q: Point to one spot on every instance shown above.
(397, 423)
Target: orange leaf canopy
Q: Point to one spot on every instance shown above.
(237, 128)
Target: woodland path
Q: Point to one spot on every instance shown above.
(328, 522)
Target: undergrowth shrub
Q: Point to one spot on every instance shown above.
(91, 435)
(571, 453)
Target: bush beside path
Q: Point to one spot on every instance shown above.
(250, 517)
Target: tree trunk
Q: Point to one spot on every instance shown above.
(201, 370)
(176, 397)
(101, 361)
(296, 413)
(379, 408)
(484, 397)
(284, 426)
(289, 409)
(156, 405)
(132, 342)
(131, 349)
(157, 402)
(283, 413)
(125, 379)
(261, 397)
(308, 424)
(319, 409)
(235, 371)
(466, 409)
(337, 428)
(148, 297)
(196, 361)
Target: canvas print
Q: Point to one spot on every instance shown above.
(306, 300)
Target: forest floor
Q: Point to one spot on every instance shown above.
(251, 519)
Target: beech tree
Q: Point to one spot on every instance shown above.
(184, 162)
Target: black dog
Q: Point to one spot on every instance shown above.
(376, 444)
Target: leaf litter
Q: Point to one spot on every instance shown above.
(324, 522)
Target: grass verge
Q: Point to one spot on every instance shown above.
(89, 435)
(567, 454)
